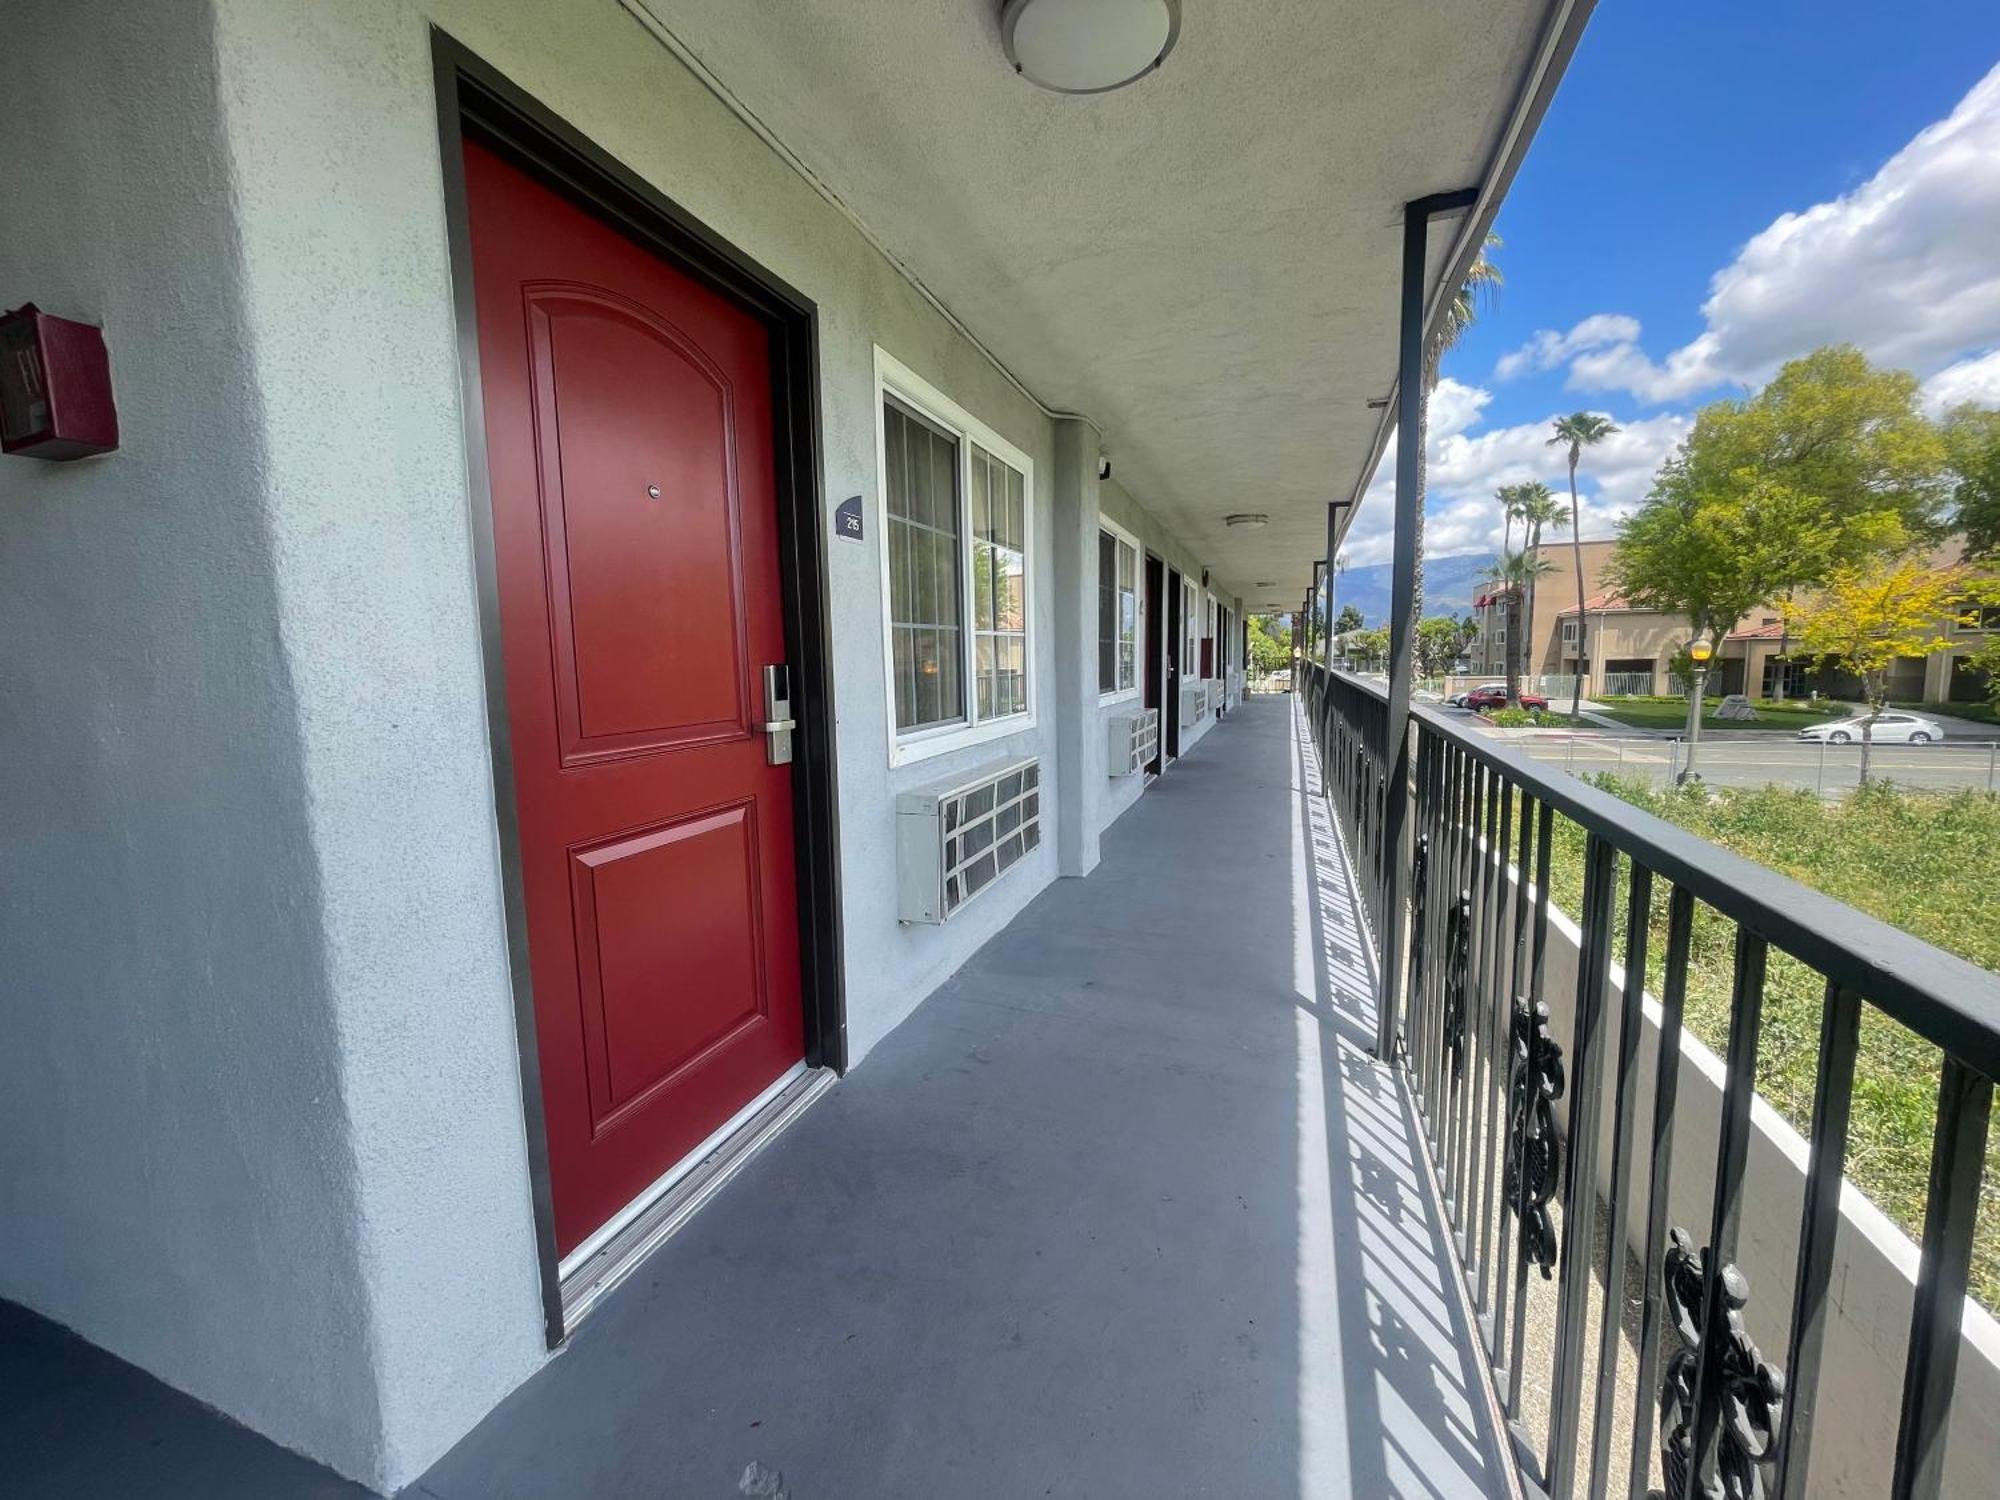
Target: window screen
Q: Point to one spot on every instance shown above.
(926, 611)
(999, 587)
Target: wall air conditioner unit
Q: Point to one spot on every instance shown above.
(955, 838)
(1132, 741)
(1194, 700)
(1218, 695)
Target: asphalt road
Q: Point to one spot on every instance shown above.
(1832, 770)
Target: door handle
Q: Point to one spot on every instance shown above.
(778, 721)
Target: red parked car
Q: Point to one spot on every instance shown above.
(1479, 700)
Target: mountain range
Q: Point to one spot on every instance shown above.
(1449, 586)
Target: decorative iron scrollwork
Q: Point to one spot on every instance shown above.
(1419, 867)
(1457, 973)
(1534, 1156)
(1744, 1392)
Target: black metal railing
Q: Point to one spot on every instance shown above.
(1511, 1098)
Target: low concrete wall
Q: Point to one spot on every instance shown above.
(1874, 1262)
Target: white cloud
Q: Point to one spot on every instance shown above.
(1547, 348)
(1466, 467)
(1976, 380)
(1455, 406)
(1905, 266)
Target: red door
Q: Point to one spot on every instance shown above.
(629, 442)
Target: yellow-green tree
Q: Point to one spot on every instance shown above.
(1871, 613)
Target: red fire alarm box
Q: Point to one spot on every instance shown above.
(55, 387)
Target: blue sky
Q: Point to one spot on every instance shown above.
(1717, 188)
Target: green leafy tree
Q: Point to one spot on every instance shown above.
(1831, 465)
(1438, 645)
(1578, 431)
(1270, 649)
(1350, 619)
(1972, 454)
(1370, 647)
(1987, 659)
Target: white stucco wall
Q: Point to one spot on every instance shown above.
(1114, 795)
(176, 1179)
(263, 1131)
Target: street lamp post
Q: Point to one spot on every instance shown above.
(1699, 652)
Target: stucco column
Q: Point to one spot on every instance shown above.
(1937, 676)
(1078, 791)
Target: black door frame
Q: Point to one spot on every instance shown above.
(1170, 681)
(476, 100)
(1154, 692)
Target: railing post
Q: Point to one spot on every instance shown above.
(1397, 843)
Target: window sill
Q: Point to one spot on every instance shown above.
(1112, 700)
(921, 745)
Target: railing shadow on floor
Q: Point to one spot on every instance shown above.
(1415, 1415)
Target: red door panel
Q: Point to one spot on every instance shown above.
(629, 448)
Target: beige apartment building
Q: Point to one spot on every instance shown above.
(1630, 649)
(1500, 612)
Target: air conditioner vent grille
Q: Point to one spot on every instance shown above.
(955, 840)
(1132, 741)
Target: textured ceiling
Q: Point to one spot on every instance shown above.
(1205, 264)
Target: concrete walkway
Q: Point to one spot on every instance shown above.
(1125, 1209)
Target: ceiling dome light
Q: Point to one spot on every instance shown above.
(1088, 46)
(1246, 518)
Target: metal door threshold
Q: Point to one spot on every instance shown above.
(597, 1266)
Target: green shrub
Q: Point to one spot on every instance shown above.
(1926, 863)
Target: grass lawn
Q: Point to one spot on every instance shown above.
(1930, 865)
(1671, 714)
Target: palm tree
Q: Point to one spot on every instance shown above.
(1580, 430)
(1482, 279)
(1515, 573)
(1536, 506)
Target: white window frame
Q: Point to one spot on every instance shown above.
(1126, 539)
(894, 378)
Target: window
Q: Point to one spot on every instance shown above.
(999, 587)
(957, 530)
(1117, 613)
(920, 465)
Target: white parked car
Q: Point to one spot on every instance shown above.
(1890, 729)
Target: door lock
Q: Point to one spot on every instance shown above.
(778, 721)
